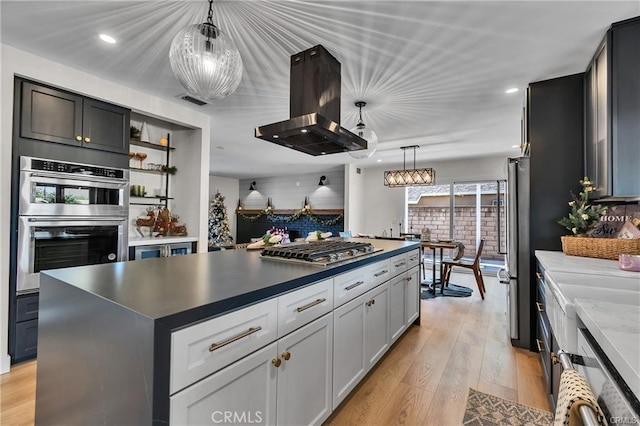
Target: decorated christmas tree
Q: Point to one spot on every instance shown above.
(219, 233)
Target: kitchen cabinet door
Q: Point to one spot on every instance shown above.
(53, 115)
(397, 306)
(244, 393)
(412, 294)
(50, 115)
(105, 126)
(305, 374)
(376, 338)
(348, 347)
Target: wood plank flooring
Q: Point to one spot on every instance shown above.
(423, 380)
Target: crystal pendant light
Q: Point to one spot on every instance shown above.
(205, 61)
(366, 134)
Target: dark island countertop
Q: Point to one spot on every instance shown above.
(177, 291)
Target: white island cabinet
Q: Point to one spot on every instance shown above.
(221, 338)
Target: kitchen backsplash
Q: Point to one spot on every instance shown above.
(297, 229)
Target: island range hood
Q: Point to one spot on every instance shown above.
(314, 108)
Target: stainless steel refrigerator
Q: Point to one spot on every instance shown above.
(517, 273)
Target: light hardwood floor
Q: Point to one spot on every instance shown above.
(423, 380)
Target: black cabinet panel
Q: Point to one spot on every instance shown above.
(625, 99)
(612, 127)
(50, 115)
(105, 126)
(53, 115)
(27, 307)
(26, 340)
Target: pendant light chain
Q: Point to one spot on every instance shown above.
(210, 14)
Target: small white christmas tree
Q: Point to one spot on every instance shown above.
(219, 233)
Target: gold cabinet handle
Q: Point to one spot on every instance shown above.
(276, 362)
(408, 278)
(397, 265)
(539, 306)
(87, 139)
(540, 345)
(539, 275)
(352, 286)
(250, 331)
(286, 355)
(310, 305)
(384, 271)
(79, 138)
(371, 302)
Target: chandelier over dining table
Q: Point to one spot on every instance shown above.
(205, 61)
(409, 177)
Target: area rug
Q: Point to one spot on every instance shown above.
(451, 291)
(488, 410)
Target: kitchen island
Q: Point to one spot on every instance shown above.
(139, 342)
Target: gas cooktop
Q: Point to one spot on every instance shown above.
(321, 253)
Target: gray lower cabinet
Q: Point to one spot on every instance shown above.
(26, 329)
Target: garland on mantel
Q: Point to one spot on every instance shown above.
(297, 215)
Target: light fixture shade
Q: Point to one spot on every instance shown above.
(413, 177)
(252, 187)
(366, 134)
(372, 142)
(205, 61)
(322, 180)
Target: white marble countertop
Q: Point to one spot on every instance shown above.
(146, 241)
(558, 261)
(616, 328)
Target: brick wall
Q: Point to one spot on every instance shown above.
(437, 220)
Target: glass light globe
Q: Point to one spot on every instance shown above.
(371, 138)
(205, 61)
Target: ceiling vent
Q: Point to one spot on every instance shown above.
(193, 100)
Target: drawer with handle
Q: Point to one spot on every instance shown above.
(413, 259)
(398, 264)
(349, 285)
(206, 347)
(377, 273)
(302, 306)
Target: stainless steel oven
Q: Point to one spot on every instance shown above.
(70, 214)
(57, 188)
(52, 243)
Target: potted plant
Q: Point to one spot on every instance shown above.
(583, 216)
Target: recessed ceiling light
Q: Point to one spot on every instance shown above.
(515, 146)
(304, 130)
(107, 39)
(276, 136)
(379, 160)
(511, 90)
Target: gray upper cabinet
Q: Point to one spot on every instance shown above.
(54, 115)
(612, 113)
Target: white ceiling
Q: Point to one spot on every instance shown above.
(432, 73)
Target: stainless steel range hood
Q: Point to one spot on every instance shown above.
(314, 108)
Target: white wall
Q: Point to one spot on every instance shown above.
(385, 207)
(353, 198)
(17, 62)
(288, 192)
(230, 190)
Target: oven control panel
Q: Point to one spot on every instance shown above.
(72, 168)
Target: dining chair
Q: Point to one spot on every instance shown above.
(474, 266)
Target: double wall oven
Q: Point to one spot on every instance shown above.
(70, 214)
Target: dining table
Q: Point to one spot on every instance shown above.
(438, 246)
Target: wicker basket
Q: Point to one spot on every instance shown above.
(602, 248)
